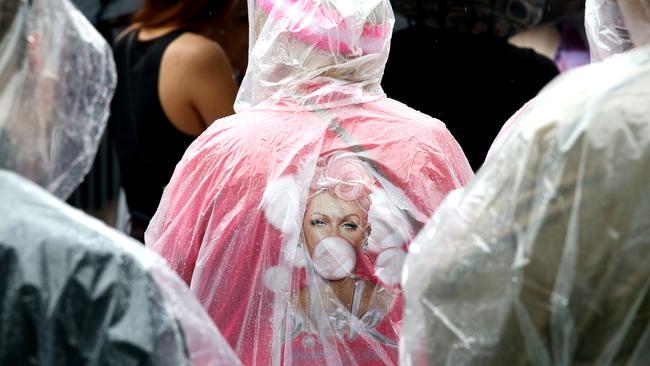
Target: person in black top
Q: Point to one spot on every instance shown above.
(174, 80)
(468, 75)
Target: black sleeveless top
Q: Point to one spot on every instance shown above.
(149, 147)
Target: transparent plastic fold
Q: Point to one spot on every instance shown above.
(606, 30)
(291, 219)
(543, 258)
(57, 78)
(77, 292)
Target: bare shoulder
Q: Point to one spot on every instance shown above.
(196, 82)
(196, 52)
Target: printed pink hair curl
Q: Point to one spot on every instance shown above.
(345, 177)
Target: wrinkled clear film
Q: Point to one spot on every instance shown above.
(84, 293)
(291, 219)
(56, 80)
(315, 54)
(606, 30)
(297, 253)
(543, 259)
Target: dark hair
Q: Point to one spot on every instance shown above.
(190, 14)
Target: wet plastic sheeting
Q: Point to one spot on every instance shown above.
(544, 258)
(291, 219)
(56, 81)
(72, 291)
(606, 30)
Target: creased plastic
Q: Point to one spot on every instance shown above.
(56, 80)
(343, 64)
(606, 30)
(73, 291)
(543, 258)
(290, 220)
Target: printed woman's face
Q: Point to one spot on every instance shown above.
(326, 215)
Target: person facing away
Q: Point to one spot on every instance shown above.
(543, 260)
(290, 219)
(469, 75)
(174, 80)
(72, 290)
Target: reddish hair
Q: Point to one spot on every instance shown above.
(190, 14)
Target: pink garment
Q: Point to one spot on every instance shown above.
(318, 152)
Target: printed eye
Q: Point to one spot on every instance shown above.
(318, 222)
(350, 226)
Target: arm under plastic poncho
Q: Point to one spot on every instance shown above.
(56, 81)
(73, 291)
(290, 220)
(543, 258)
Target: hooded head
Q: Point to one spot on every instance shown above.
(637, 18)
(615, 26)
(315, 54)
(56, 80)
(606, 30)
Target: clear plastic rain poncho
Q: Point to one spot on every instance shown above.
(606, 30)
(544, 258)
(74, 291)
(56, 80)
(502, 18)
(291, 219)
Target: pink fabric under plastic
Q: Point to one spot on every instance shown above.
(213, 229)
(257, 197)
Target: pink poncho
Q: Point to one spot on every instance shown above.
(291, 219)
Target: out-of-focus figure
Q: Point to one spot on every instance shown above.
(73, 291)
(467, 73)
(543, 259)
(560, 36)
(174, 80)
(53, 112)
(290, 220)
(606, 30)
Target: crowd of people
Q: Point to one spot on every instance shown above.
(292, 213)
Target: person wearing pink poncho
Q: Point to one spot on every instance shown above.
(290, 220)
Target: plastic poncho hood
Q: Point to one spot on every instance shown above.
(315, 54)
(56, 80)
(74, 291)
(606, 30)
(543, 260)
(290, 220)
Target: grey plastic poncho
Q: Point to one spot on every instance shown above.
(544, 259)
(73, 291)
(56, 81)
